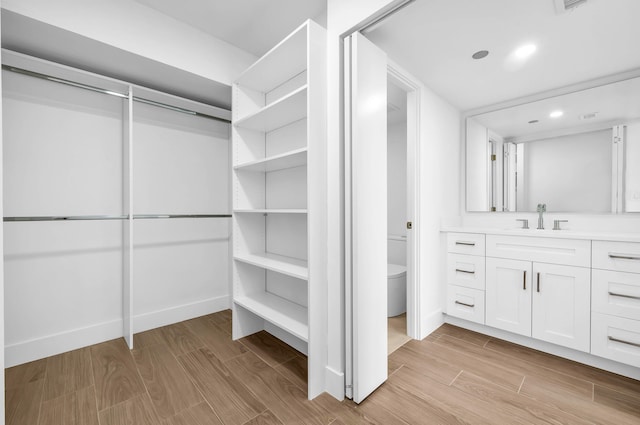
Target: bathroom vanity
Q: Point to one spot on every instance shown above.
(573, 294)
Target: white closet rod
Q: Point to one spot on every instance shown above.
(109, 92)
(111, 217)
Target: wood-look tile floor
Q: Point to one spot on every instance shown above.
(396, 332)
(192, 373)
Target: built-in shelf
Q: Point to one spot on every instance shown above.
(288, 109)
(282, 313)
(272, 211)
(291, 159)
(278, 263)
(279, 130)
(283, 62)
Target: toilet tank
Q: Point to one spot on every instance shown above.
(396, 249)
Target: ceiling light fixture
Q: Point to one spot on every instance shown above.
(480, 54)
(588, 116)
(534, 122)
(556, 114)
(523, 52)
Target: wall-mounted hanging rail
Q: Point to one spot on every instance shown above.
(111, 217)
(152, 216)
(109, 92)
(66, 218)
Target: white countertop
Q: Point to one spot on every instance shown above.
(548, 233)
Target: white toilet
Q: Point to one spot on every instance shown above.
(396, 289)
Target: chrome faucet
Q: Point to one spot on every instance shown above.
(541, 209)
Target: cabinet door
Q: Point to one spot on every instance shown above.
(562, 305)
(508, 295)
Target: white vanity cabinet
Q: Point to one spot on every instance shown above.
(572, 294)
(547, 299)
(466, 276)
(615, 317)
(508, 295)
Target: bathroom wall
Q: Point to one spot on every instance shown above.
(632, 180)
(569, 173)
(476, 162)
(396, 191)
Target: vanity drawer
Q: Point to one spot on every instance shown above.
(465, 243)
(616, 293)
(615, 338)
(570, 252)
(465, 303)
(620, 256)
(466, 270)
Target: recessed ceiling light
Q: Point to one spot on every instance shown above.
(556, 114)
(588, 116)
(534, 122)
(523, 52)
(480, 54)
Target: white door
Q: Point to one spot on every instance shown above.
(508, 295)
(562, 305)
(366, 216)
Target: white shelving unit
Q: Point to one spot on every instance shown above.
(279, 134)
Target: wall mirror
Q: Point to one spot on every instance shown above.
(577, 152)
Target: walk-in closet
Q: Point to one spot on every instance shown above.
(121, 202)
(116, 208)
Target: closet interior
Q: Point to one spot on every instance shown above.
(116, 208)
(120, 202)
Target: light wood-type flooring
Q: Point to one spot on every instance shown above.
(396, 332)
(192, 373)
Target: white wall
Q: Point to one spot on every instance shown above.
(397, 191)
(632, 164)
(180, 266)
(141, 30)
(397, 178)
(476, 163)
(440, 201)
(62, 156)
(568, 173)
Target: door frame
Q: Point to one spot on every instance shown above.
(413, 88)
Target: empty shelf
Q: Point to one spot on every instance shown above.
(279, 64)
(290, 159)
(273, 211)
(288, 109)
(284, 314)
(278, 263)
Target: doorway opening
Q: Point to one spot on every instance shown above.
(397, 248)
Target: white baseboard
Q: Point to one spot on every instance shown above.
(430, 323)
(556, 350)
(155, 319)
(334, 382)
(50, 345)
